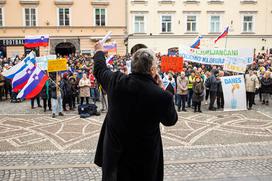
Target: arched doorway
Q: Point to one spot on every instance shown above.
(137, 47)
(65, 48)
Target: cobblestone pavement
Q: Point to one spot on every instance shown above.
(213, 146)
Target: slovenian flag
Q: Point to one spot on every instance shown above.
(34, 85)
(110, 47)
(110, 60)
(197, 42)
(224, 34)
(36, 41)
(21, 78)
(10, 73)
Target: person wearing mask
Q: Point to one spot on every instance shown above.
(252, 84)
(198, 94)
(130, 145)
(182, 91)
(84, 86)
(266, 83)
(191, 80)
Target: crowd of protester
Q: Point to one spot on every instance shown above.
(195, 84)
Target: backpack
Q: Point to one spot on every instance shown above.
(90, 109)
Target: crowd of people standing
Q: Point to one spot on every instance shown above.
(195, 84)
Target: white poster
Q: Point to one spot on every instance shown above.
(215, 56)
(42, 62)
(234, 93)
(235, 65)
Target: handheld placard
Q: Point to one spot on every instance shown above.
(106, 37)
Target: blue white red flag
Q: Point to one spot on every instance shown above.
(197, 42)
(110, 60)
(36, 41)
(110, 47)
(10, 73)
(34, 85)
(222, 35)
(21, 78)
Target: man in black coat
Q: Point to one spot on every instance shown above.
(130, 146)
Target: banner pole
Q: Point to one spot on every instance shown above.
(226, 42)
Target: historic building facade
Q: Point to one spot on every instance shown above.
(73, 25)
(165, 24)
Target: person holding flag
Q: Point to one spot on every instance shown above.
(56, 95)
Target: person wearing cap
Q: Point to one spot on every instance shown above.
(198, 93)
(182, 91)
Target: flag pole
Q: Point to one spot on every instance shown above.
(226, 42)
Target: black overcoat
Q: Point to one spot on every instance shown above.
(130, 146)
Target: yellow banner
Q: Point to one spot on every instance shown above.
(57, 65)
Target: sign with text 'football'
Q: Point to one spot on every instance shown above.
(234, 93)
(57, 65)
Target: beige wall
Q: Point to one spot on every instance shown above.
(229, 11)
(81, 25)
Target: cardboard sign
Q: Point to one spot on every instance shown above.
(174, 64)
(57, 65)
(235, 65)
(234, 93)
(42, 62)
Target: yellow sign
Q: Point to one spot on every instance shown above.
(57, 65)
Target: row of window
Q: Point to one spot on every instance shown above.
(64, 19)
(198, 1)
(30, 18)
(191, 24)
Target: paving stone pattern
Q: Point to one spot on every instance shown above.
(213, 146)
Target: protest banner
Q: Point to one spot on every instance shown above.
(234, 93)
(57, 65)
(174, 64)
(215, 56)
(42, 62)
(235, 65)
